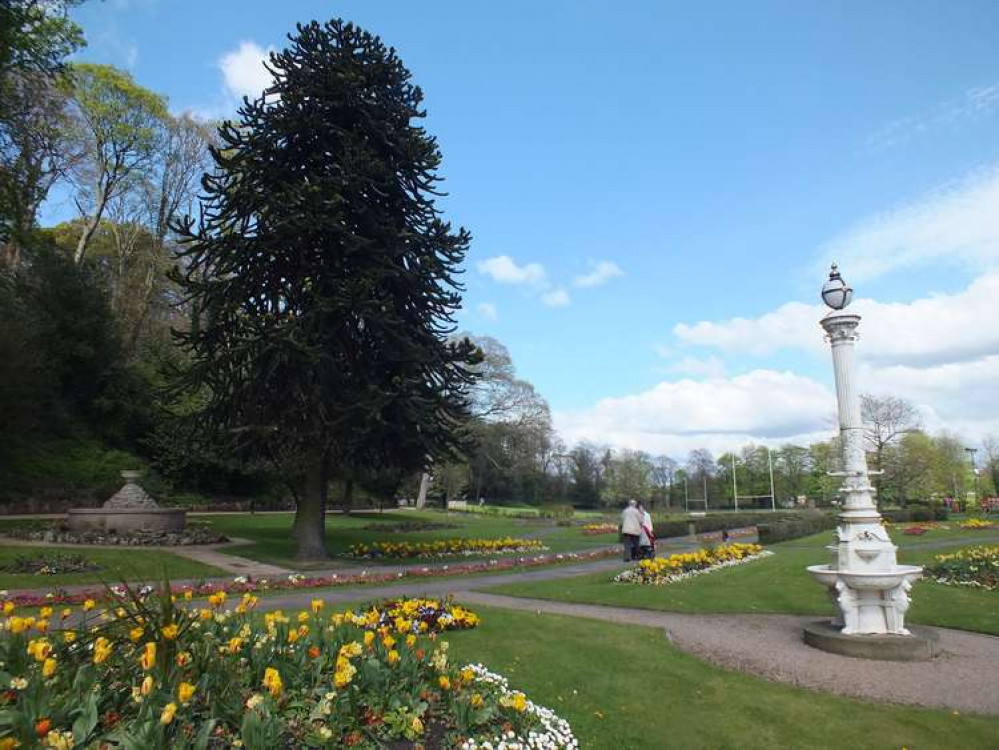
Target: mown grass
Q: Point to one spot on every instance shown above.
(780, 584)
(627, 687)
(115, 565)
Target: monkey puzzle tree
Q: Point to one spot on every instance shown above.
(321, 278)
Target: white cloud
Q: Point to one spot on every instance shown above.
(719, 413)
(556, 298)
(710, 367)
(954, 396)
(602, 272)
(974, 104)
(792, 325)
(487, 310)
(243, 70)
(958, 224)
(504, 270)
(935, 329)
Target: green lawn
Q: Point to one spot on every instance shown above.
(780, 584)
(627, 687)
(115, 565)
(273, 543)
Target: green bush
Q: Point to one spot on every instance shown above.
(560, 514)
(917, 513)
(783, 529)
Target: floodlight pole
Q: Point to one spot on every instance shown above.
(974, 469)
(770, 465)
(735, 488)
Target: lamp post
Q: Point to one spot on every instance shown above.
(869, 588)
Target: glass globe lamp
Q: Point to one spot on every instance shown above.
(835, 293)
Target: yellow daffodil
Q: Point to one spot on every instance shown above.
(272, 681)
(185, 691)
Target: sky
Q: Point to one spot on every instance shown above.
(656, 190)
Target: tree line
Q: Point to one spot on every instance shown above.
(520, 458)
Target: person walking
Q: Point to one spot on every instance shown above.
(631, 530)
(647, 539)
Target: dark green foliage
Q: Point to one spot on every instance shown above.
(802, 525)
(57, 346)
(321, 277)
(915, 513)
(773, 525)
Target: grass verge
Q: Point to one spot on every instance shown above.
(780, 584)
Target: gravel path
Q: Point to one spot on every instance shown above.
(964, 678)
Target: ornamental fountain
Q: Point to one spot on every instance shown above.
(130, 510)
(867, 585)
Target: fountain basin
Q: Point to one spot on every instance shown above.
(126, 520)
(873, 580)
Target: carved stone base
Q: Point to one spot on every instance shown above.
(921, 644)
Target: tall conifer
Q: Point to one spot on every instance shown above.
(321, 277)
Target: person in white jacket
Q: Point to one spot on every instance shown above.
(631, 530)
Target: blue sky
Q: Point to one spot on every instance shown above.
(713, 157)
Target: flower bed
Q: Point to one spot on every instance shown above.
(976, 523)
(245, 584)
(443, 548)
(600, 528)
(660, 571)
(49, 564)
(972, 566)
(151, 672)
(59, 533)
(405, 527)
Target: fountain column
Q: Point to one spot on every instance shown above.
(869, 588)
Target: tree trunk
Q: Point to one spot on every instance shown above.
(310, 515)
(421, 499)
(88, 231)
(348, 495)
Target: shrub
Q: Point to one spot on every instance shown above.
(783, 529)
(917, 513)
(560, 514)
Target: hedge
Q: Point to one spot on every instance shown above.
(923, 513)
(721, 521)
(783, 529)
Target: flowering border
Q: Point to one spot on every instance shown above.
(634, 575)
(295, 581)
(555, 735)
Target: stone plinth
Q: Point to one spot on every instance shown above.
(129, 510)
(920, 644)
(126, 520)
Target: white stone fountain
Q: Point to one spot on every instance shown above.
(866, 583)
